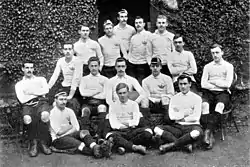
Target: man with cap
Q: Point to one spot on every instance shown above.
(122, 30)
(123, 126)
(185, 110)
(84, 49)
(111, 48)
(159, 89)
(31, 91)
(66, 65)
(65, 130)
(135, 88)
(161, 44)
(139, 57)
(216, 80)
(182, 61)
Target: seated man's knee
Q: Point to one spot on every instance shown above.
(195, 134)
(145, 103)
(85, 111)
(84, 133)
(219, 107)
(101, 108)
(205, 108)
(158, 131)
(27, 119)
(45, 116)
(149, 133)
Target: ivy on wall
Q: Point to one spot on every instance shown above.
(34, 30)
(204, 22)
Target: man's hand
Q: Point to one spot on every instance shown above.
(123, 126)
(28, 92)
(175, 109)
(64, 128)
(125, 123)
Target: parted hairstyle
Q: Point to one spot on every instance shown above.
(121, 86)
(94, 58)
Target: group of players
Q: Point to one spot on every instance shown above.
(122, 79)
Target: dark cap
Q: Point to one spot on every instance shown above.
(156, 60)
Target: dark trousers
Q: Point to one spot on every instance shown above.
(108, 71)
(37, 129)
(92, 104)
(72, 141)
(211, 121)
(179, 134)
(128, 137)
(138, 71)
(165, 70)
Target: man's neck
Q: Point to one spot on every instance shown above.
(162, 32)
(139, 31)
(122, 25)
(179, 51)
(29, 77)
(68, 59)
(121, 75)
(84, 39)
(60, 108)
(156, 75)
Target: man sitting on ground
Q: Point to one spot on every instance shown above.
(185, 110)
(124, 119)
(66, 133)
(31, 91)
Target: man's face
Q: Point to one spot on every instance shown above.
(28, 69)
(184, 85)
(61, 101)
(123, 95)
(178, 43)
(120, 68)
(84, 32)
(68, 50)
(123, 18)
(217, 54)
(156, 69)
(94, 67)
(161, 24)
(108, 30)
(139, 24)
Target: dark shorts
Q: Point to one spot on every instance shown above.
(93, 104)
(214, 97)
(36, 110)
(108, 71)
(157, 108)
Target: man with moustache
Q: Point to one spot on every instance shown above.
(122, 30)
(84, 49)
(161, 43)
(121, 76)
(65, 130)
(138, 57)
(185, 110)
(216, 80)
(31, 91)
(182, 61)
(66, 65)
(111, 47)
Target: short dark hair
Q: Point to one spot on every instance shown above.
(162, 17)
(94, 58)
(67, 43)
(183, 76)
(120, 59)
(139, 17)
(121, 86)
(176, 36)
(27, 62)
(215, 46)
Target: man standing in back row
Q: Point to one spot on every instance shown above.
(111, 48)
(122, 30)
(139, 57)
(161, 44)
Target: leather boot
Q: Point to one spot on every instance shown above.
(97, 151)
(166, 147)
(211, 142)
(44, 148)
(33, 150)
(207, 135)
(189, 148)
